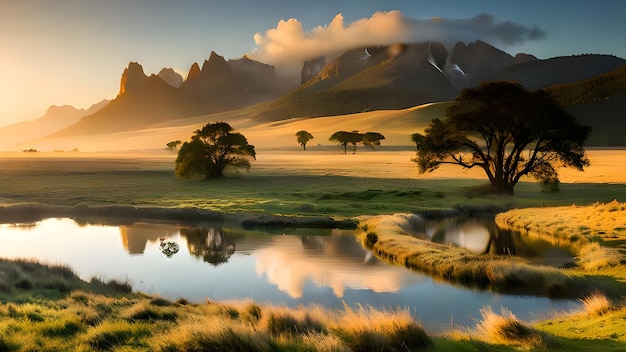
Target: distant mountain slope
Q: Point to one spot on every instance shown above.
(374, 78)
(144, 100)
(396, 125)
(56, 118)
(599, 102)
(538, 74)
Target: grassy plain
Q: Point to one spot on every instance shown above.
(320, 182)
(312, 183)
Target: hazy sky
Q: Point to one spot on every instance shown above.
(74, 51)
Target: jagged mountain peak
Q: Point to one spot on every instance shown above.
(479, 61)
(215, 63)
(132, 78)
(194, 72)
(171, 77)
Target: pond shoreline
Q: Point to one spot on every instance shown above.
(29, 212)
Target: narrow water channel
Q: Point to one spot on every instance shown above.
(296, 267)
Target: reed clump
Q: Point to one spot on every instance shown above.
(507, 329)
(596, 304)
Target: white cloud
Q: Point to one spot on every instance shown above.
(288, 45)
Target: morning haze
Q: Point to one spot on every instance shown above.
(282, 176)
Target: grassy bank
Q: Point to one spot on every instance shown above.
(73, 315)
(596, 233)
(47, 308)
(388, 237)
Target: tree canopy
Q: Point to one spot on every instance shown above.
(344, 138)
(303, 138)
(371, 139)
(508, 132)
(211, 150)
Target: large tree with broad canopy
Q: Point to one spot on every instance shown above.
(508, 132)
(211, 150)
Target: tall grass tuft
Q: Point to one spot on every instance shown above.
(367, 329)
(212, 333)
(596, 304)
(506, 329)
(283, 321)
(144, 311)
(109, 335)
(593, 257)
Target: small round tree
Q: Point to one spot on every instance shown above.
(303, 138)
(211, 150)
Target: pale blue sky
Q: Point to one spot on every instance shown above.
(74, 51)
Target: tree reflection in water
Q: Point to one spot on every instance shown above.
(480, 235)
(209, 243)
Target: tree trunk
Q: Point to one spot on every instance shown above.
(501, 186)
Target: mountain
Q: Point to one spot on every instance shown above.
(150, 100)
(142, 100)
(536, 74)
(171, 77)
(53, 120)
(599, 102)
(479, 61)
(391, 77)
(373, 78)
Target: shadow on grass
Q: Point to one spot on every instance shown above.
(609, 285)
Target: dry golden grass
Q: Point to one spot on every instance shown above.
(596, 304)
(506, 329)
(580, 228)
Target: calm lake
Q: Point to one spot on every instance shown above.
(290, 267)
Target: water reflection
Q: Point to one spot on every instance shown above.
(136, 236)
(217, 261)
(337, 261)
(210, 243)
(481, 235)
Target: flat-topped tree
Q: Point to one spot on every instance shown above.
(508, 132)
(372, 139)
(344, 138)
(211, 150)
